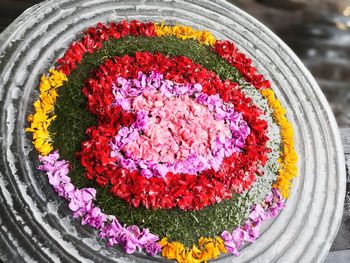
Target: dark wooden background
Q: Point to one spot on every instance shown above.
(11, 9)
(319, 33)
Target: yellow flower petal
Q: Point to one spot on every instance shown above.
(288, 156)
(208, 248)
(44, 107)
(185, 32)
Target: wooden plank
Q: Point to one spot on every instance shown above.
(345, 137)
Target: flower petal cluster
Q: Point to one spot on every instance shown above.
(208, 248)
(82, 206)
(288, 158)
(185, 32)
(95, 36)
(44, 111)
(132, 238)
(238, 171)
(125, 113)
(249, 232)
(169, 134)
(228, 51)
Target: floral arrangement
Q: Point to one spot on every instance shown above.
(164, 139)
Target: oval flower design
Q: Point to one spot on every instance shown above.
(170, 134)
(172, 131)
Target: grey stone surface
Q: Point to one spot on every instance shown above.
(341, 256)
(342, 240)
(36, 224)
(345, 136)
(319, 32)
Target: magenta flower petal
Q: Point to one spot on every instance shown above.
(81, 204)
(147, 96)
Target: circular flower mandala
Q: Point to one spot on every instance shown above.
(153, 117)
(238, 168)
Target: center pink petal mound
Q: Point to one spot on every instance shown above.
(177, 127)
